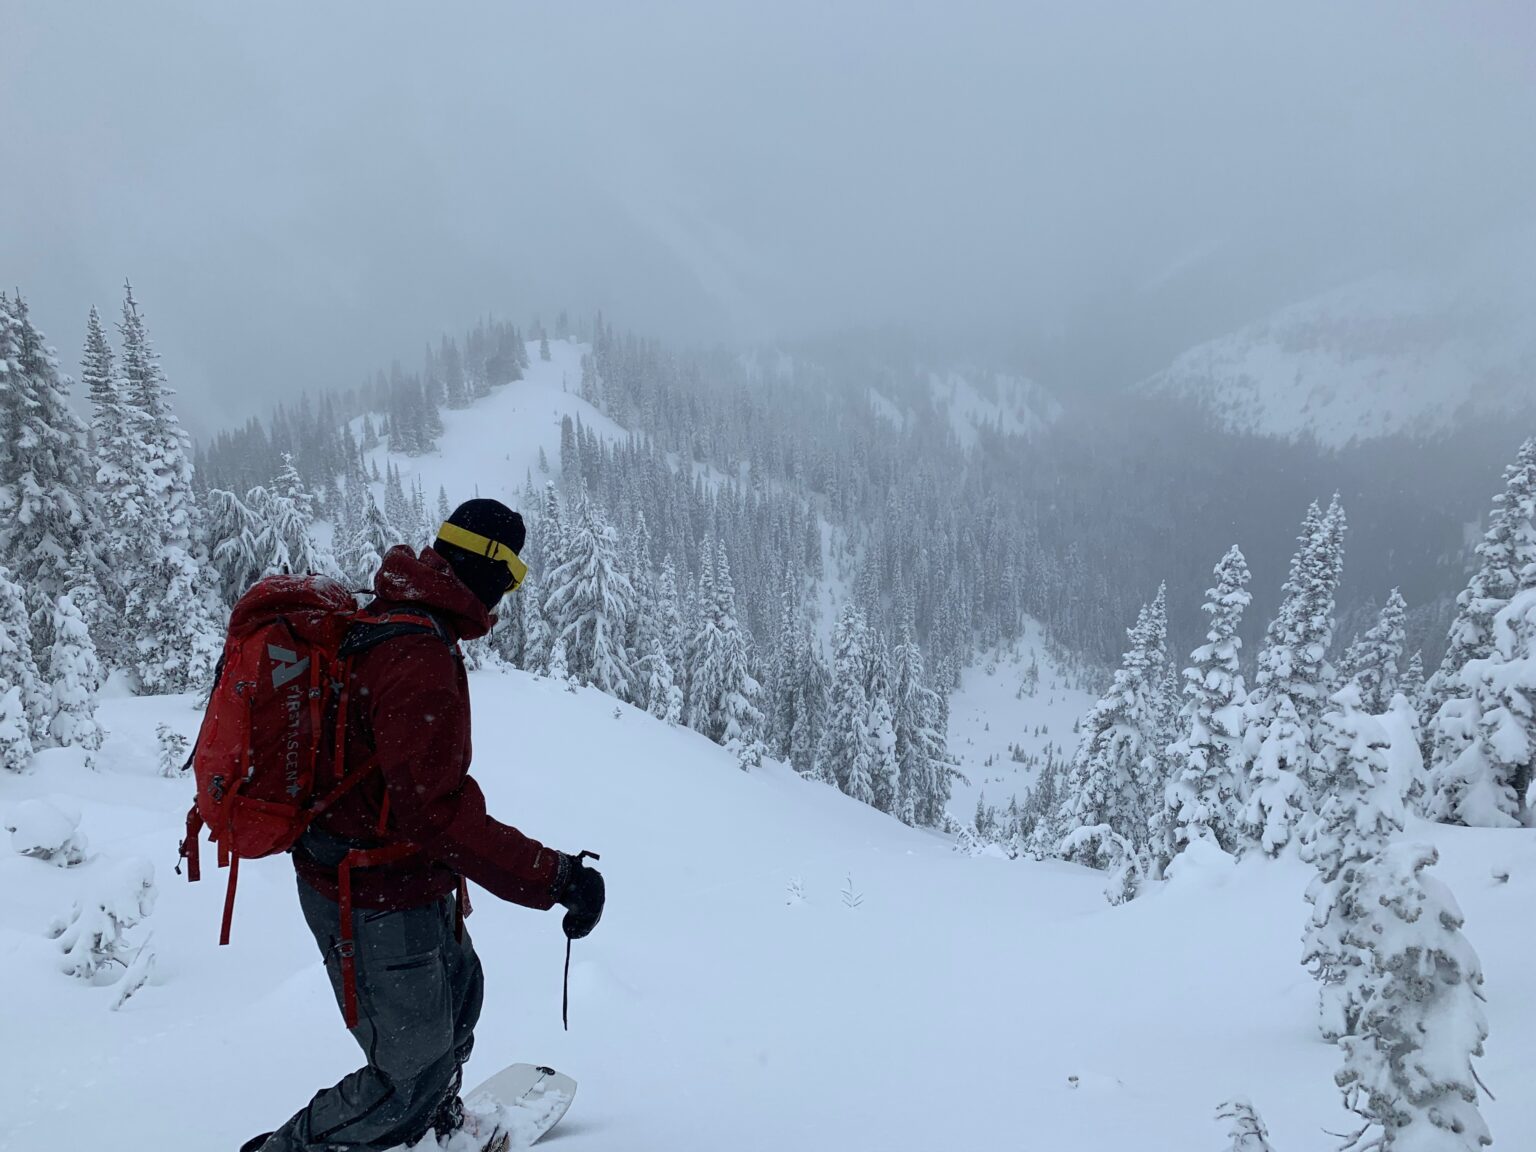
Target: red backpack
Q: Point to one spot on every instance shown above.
(271, 753)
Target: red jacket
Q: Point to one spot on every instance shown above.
(409, 709)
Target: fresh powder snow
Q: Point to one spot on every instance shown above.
(731, 998)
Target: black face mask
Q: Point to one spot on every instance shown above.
(487, 579)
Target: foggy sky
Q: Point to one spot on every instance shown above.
(300, 191)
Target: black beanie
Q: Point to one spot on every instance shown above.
(486, 578)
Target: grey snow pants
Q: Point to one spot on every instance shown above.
(419, 990)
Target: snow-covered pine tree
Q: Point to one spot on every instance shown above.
(1507, 551)
(845, 756)
(1113, 781)
(701, 660)
(1411, 683)
(724, 691)
(642, 640)
(170, 603)
(664, 699)
(1407, 1069)
(160, 445)
(1160, 836)
(371, 536)
(924, 775)
(536, 636)
(508, 641)
(1479, 720)
(669, 625)
(456, 387)
(784, 671)
(74, 677)
(116, 488)
(559, 671)
(26, 707)
(884, 769)
(1485, 735)
(15, 729)
(240, 542)
(45, 477)
(397, 507)
(550, 539)
(1374, 662)
(1291, 686)
(589, 603)
(419, 510)
(811, 693)
(1039, 819)
(1206, 790)
(290, 512)
(1358, 819)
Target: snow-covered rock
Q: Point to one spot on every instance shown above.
(47, 830)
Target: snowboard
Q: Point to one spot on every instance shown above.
(527, 1101)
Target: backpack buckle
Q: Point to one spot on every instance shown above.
(346, 949)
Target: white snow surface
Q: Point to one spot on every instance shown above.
(1388, 355)
(965, 1003)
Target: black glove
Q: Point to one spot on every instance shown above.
(583, 894)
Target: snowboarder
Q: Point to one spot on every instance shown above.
(415, 982)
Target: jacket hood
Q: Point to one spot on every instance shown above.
(426, 580)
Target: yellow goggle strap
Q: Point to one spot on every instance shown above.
(484, 546)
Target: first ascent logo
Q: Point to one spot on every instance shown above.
(287, 667)
(286, 664)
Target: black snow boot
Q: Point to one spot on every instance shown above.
(449, 1118)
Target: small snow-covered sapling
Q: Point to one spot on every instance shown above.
(1245, 1128)
(173, 751)
(851, 898)
(90, 938)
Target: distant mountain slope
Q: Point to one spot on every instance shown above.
(489, 448)
(1389, 355)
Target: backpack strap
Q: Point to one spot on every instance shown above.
(371, 631)
(347, 947)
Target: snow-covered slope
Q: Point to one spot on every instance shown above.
(1011, 711)
(962, 1004)
(490, 447)
(1009, 404)
(1384, 356)
(973, 400)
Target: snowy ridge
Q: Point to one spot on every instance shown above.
(963, 1003)
(1385, 356)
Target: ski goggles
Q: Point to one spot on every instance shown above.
(485, 546)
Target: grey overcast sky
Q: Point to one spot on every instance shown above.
(301, 191)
